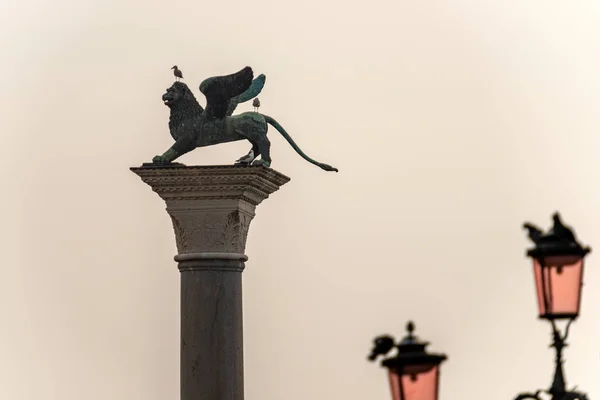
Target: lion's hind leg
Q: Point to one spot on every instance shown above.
(253, 127)
(264, 148)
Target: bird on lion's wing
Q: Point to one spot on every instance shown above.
(256, 104)
(382, 346)
(560, 230)
(535, 234)
(177, 72)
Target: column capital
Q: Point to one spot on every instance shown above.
(211, 207)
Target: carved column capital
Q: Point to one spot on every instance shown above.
(211, 207)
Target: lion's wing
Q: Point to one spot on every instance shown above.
(254, 90)
(219, 90)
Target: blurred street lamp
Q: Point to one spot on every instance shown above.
(413, 373)
(558, 261)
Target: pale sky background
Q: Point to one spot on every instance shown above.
(451, 122)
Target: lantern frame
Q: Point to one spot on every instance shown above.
(553, 264)
(558, 267)
(411, 360)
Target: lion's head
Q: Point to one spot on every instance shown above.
(180, 94)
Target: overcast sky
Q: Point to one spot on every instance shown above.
(451, 122)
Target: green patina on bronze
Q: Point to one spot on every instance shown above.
(193, 126)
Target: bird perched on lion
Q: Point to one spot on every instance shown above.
(192, 125)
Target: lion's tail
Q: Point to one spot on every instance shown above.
(287, 137)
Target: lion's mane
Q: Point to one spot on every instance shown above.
(185, 107)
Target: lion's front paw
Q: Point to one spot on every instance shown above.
(159, 160)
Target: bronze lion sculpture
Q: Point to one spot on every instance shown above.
(193, 126)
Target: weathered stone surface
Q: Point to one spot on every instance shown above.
(211, 207)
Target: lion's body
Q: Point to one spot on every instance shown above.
(251, 126)
(246, 126)
(192, 127)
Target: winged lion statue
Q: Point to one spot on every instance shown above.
(192, 125)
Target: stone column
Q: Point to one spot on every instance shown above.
(211, 209)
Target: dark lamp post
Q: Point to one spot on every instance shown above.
(413, 373)
(558, 260)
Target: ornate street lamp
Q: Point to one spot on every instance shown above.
(558, 261)
(413, 373)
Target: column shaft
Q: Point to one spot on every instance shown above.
(212, 364)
